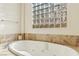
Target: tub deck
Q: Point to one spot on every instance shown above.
(5, 51)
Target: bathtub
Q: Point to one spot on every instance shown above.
(39, 48)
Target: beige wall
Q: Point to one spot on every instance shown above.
(11, 12)
(72, 18)
(9, 29)
(22, 17)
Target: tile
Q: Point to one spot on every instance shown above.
(60, 39)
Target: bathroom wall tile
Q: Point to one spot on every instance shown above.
(31, 36)
(77, 42)
(26, 36)
(49, 38)
(42, 37)
(70, 40)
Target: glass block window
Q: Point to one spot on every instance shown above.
(49, 15)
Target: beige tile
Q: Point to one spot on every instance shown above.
(60, 39)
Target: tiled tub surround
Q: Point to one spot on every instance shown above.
(70, 40)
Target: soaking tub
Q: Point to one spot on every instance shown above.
(39, 48)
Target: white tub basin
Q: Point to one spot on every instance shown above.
(38, 48)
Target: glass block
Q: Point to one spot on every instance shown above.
(34, 22)
(34, 4)
(52, 21)
(42, 15)
(46, 5)
(42, 6)
(63, 19)
(42, 21)
(63, 24)
(63, 6)
(34, 17)
(38, 21)
(42, 11)
(47, 21)
(46, 9)
(57, 20)
(53, 14)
